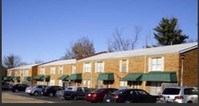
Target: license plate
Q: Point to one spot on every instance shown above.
(107, 100)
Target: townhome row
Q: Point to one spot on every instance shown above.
(149, 68)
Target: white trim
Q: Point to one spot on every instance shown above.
(188, 49)
(96, 66)
(85, 66)
(127, 65)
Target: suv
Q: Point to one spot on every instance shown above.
(19, 87)
(51, 90)
(73, 92)
(35, 90)
(180, 95)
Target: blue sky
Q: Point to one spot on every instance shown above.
(44, 29)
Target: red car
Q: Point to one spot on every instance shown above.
(99, 94)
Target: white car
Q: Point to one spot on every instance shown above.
(35, 90)
(180, 95)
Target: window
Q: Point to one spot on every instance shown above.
(21, 73)
(99, 66)
(26, 72)
(190, 91)
(123, 83)
(141, 92)
(16, 73)
(124, 65)
(87, 67)
(60, 71)
(156, 64)
(73, 69)
(52, 70)
(42, 71)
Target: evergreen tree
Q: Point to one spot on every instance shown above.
(167, 33)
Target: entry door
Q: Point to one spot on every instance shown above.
(155, 88)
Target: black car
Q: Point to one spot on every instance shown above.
(19, 87)
(130, 96)
(51, 90)
(5, 85)
(74, 93)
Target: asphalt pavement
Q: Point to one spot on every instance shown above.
(22, 97)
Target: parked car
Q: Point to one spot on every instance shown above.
(130, 96)
(60, 93)
(99, 94)
(51, 90)
(75, 93)
(19, 87)
(180, 95)
(5, 85)
(35, 90)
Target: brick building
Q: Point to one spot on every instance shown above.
(148, 68)
(56, 72)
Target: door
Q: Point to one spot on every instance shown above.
(155, 88)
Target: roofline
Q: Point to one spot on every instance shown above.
(189, 49)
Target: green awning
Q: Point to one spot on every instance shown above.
(38, 77)
(27, 78)
(17, 78)
(160, 76)
(46, 77)
(106, 76)
(75, 77)
(132, 77)
(64, 77)
(8, 78)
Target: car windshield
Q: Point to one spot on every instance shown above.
(69, 89)
(171, 91)
(119, 91)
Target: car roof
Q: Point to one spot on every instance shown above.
(179, 87)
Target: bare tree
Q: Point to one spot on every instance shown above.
(80, 49)
(119, 43)
(12, 60)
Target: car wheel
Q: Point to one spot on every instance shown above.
(36, 93)
(16, 90)
(127, 101)
(189, 102)
(51, 94)
(74, 97)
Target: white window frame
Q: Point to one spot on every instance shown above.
(52, 82)
(87, 67)
(16, 73)
(73, 69)
(60, 83)
(21, 73)
(52, 69)
(42, 71)
(99, 66)
(152, 64)
(127, 65)
(26, 72)
(61, 70)
(123, 84)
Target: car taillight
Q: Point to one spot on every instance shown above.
(179, 97)
(115, 96)
(94, 95)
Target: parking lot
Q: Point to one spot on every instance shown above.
(22, 97)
